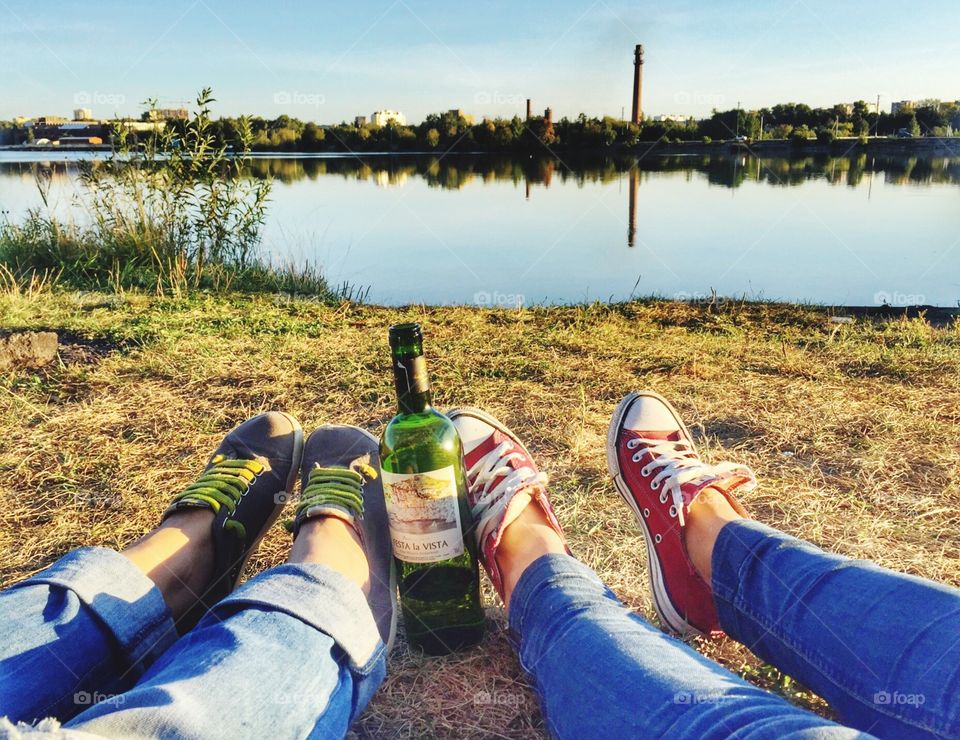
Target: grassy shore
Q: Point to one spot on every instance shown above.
(853, 429)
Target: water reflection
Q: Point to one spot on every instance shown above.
(457, 171)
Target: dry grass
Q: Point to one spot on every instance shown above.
(854, 431)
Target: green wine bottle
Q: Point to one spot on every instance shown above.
(425, 485)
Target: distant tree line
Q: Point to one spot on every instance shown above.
(451, 131)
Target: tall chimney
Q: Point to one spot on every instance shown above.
(637, 84)
(529, 109)
(548, 117)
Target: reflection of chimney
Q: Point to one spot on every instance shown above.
(632, 227)
(548, 171)
(637, 84)
(529, 109)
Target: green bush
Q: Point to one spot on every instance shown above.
(174, 212)
(825, 136)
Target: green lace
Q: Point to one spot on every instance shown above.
(337, 486)
(223, 485)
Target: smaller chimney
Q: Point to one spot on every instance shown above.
(548, 117)
(529, 109)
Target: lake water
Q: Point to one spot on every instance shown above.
(492, 230)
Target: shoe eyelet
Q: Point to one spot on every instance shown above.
(646, 513)
(637, 457)
(632, 444)
(644, 471)
(663, 497)
(673, 511)
(655, 485)
(658, 539)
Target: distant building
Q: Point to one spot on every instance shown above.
(163, 114)
(383, 117)
(674, 117)
(901, 106)
(49, 121)
(360, 121)
(82, 114)
(458, 113)
(72, 132)
(79, 141)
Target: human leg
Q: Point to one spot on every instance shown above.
(600, 669)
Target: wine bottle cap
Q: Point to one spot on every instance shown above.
(405, 334)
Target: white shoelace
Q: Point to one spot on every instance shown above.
(680, 465)
(490, 503)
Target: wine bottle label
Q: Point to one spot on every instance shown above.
(424, 515)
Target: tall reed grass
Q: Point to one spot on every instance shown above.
(170, 212)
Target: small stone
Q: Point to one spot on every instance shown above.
(29, 349)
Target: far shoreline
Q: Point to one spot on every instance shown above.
(947, 146)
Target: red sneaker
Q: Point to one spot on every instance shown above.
(502, 479)
(656, 468)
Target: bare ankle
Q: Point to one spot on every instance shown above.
(708, 514)
(178, 557)
(332, 542)
(526, 538)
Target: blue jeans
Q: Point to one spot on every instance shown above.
(294, 652)
(881, 647)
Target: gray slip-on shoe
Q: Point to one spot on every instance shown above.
(245, 483)
(340, 477)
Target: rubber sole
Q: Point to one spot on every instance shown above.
(661, 599)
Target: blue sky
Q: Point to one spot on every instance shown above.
(328, 61)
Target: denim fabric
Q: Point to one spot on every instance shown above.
(294, 652)
(602, 671)
(84, 628)
(882, 647)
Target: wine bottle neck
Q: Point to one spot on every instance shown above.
(412, 381)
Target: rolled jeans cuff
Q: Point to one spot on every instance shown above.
(320, 597)
(120, 596)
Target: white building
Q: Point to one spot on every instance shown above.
(673, 117)
(82, 114)
(383, 117)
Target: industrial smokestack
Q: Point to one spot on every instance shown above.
(637, 84)
(548, 117)
(529, 109)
